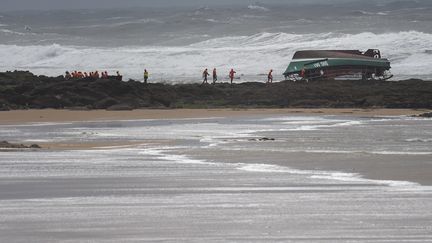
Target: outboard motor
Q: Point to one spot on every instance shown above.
(375, 53)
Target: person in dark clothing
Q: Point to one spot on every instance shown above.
(205, 76)
(214, 76)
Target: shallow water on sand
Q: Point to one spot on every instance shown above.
(214, 180)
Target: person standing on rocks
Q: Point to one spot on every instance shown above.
(270, 76)
(205, 75)
(214, 76)
(232, 74)
(68, 75)
(146, 76)
(119, 76)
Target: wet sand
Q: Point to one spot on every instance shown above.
(380, 167)
(50, 115)
(412, 168)
(161, 180)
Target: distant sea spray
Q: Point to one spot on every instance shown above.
(251, 55)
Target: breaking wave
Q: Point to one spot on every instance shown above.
(249, 55)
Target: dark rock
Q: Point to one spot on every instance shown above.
(23, 90)
(7, 145)
(262, 139)
(426, 115)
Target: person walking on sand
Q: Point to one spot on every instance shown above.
(146, 76)
(214, 76)
(205, 75)
(231, 75)
(270, 76)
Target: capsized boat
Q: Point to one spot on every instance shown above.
(338, 64)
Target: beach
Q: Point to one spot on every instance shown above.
(316, 127)
(242, 175)
(52, 115)
(373, 166)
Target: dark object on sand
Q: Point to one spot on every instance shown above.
(262, 139)
(118, 78)
(7, 145)
(333, 64)
(425, 115)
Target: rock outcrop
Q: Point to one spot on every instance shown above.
(23, 90)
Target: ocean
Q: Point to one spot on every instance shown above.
(315, 178)
(176, 44)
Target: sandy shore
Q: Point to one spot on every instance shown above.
(383, 167)
(370, 166)
(50, 115)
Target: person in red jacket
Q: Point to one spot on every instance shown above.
(270, 76)
(231, 75)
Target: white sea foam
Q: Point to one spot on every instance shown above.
(10, 32)
(167, 155)
(419, 140)
(249, 55)
(270, 169)
(328, 175)
(256, 7)
(163, 154)
(401, 152)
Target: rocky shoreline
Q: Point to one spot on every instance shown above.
(23, 90)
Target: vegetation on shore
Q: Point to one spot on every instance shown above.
(23, 90)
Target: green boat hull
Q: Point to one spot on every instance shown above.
(296, 66)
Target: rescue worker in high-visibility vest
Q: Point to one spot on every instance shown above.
(146, 76)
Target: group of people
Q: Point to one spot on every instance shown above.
(206, 74)
(105, 75)
(231, 75)
(95, 75)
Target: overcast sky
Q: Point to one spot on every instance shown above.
(7, 5)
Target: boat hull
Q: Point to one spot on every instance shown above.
(333, 67)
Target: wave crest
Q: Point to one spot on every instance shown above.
(250, 55)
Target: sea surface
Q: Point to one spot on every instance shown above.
(176, 44)
(217, 180)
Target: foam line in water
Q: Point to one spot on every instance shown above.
(328, 175)
(161, 153)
